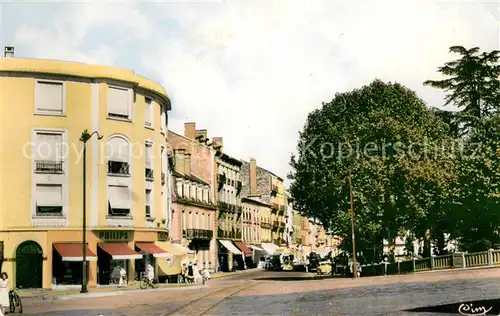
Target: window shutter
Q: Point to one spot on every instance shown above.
(118, 149)
(118, 101)
(48, 147)
(149, 156)
(49, 96)
(148, 197)
(119, 197)
(148, 112)
(48, 195)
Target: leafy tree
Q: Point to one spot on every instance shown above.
(477, 193)
(472, 84)
(389, 141)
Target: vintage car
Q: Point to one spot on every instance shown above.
(324, 268)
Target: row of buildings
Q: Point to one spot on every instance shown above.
(152, 195)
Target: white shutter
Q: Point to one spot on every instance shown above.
(49, 96)
(184, 220)
(209, 223)
(148, 197)
(118, 101)
(48, 195)
(149, 156)
(48, 147)
(119, 197)
(148, 112)
(118, 149)
(163, 118)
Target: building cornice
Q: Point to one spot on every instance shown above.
(81, 70)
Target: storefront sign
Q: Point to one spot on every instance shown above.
(162, 236)
(114, 235)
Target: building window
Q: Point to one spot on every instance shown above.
(149, 161)
(148, 112)
(148, 203)
(48, 152)
(184, 221)
(118, 153)
(119, 103)
(49, 201)
(118, 200)
(163, 118)
(49, 98)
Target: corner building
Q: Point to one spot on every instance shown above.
(46, 105)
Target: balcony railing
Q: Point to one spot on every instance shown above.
(49, 210)
(265, 225)
(279, 241)
(149, 174)
(274, 207)
(119, 212)
(118, 167)
(298, 241)
(47, 166)
(198, 233)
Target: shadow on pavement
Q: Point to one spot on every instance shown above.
(482, 307)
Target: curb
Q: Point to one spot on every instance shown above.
(63, 297)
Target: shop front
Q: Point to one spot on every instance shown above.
(247, 254)
(111, 257)
(151, 253)
(258, 255)
(67, 263)
(169, 268)
(228, 254)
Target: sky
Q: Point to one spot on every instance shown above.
(251, 71)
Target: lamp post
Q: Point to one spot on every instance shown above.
(354, 257)
(84, 139)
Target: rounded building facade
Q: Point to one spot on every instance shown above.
(46, 107)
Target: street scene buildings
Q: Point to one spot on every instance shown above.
(152, 196)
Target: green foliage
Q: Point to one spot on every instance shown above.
(384, 134)
(472, 84)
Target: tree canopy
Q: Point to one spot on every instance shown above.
(384, 134)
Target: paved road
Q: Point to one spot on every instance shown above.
(272, 293)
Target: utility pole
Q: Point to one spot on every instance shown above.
(354, 259)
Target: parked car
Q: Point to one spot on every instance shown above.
(324, 268)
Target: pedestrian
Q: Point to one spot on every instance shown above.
(150, 272)
(190, 273)
(123, 276)
(4, 292)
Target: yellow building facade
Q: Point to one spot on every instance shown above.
(46, 105)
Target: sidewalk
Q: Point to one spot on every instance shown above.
(60, 294)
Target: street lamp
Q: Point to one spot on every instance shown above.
(84, 139)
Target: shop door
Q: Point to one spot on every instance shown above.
(29, 262)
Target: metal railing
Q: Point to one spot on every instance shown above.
(450, 261)
(46, 166)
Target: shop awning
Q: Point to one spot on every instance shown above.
(150, 247)
(269, 248)
(74, 252)
(255, 248)
(243, 248)
(229, 246)
(120, 251)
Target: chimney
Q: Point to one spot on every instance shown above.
(217, 141)
(187, 164)
(201, 135)
(253, 177)
(8, 51)
(190, 130)
(179, 160)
